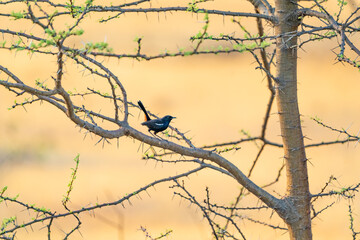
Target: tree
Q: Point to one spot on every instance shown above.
(55, 25)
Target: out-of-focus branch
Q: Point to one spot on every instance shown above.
(44, 215)
(54, 43)
(339, 28)
(263, 6)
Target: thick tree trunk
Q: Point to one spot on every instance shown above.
(286, 94)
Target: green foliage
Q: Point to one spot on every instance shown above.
(137, 39)
(188, 53)
(239, 47)
(76, 11)
(7, 221)
(78, 32)
(265, 44)
(50, 32)
(15, 198)
(17, 15)
(100, 46)
(89, 2)
(43, 43)
(3, 190)
(192, 7)
(52, 15)
(246, 133)
(327, 34)
(342, 3)
(73, 177)
(40, 84)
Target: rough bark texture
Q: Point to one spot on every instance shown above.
(286, 94)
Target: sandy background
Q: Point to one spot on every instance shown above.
(213, 97)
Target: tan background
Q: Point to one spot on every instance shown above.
(213, 97)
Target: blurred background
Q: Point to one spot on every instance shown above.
(213, 98)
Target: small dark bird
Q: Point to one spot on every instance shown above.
(156, 125)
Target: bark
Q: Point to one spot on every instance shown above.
(286, 94)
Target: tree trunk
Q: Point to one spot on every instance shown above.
(286, 94)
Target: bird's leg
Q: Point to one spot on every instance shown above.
(158, 136)
(154, 134)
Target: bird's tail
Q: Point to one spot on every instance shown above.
(147, 117)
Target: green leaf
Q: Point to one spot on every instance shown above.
(188, 53)
(50, 32)
(3, 190)
(264, 44)
(17, 15)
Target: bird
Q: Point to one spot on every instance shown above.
(156, 125)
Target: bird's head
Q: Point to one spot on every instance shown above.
(168, 118)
